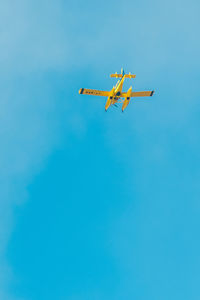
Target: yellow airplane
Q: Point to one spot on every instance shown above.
(115, 95)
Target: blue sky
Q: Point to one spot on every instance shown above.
(97, 205)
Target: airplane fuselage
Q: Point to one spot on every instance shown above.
(115, 93)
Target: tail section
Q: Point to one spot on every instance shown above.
(116, 75)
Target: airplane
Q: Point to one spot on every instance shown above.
(116, 94)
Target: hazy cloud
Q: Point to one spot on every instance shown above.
(33, 41)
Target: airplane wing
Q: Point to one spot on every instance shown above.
(139, 94)
(94, 92)
(142, 94)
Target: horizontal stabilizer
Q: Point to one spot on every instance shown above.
(116, 75)
(130, 75)
(121, 75)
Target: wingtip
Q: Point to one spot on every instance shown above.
(152, 93)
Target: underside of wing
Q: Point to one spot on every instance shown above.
(142, 94)
(137, 94)
(94, 92)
